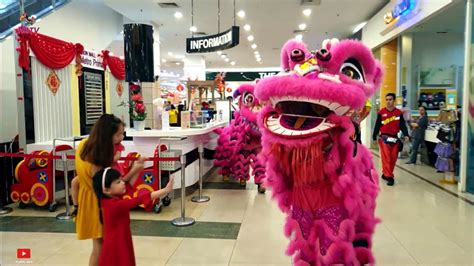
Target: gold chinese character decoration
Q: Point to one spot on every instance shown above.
(53, 82)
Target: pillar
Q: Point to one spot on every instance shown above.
(389, 61)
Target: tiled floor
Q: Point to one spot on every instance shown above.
(421, 224)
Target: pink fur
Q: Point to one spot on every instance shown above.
(239, 143)
(285, 56)
(345, 186)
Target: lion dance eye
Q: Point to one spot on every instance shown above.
(323, 55)
(352, 70)
(297, 55)
(248, 99)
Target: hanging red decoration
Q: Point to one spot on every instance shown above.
(51, 52)
(53, 82)
(179, 88)
(119, 88)
(229, 89)
(115, 64)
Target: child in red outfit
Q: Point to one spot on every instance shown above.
(117, 248)
(129, 177)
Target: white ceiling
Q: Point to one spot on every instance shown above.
(272, 23)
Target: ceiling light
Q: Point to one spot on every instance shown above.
(299, 37)
(359, 27)
(232, 63)
(193, 29)
(254, 46)
(227, 59)
(178, 14)
(219, 52)
(307, 12)
(241, 14)
(250, 38)
(223, 56)
(256, 52)
(247, 27)
(163, 60)
(178, 63)
(302, 26)
(259, 59)
(170, 53)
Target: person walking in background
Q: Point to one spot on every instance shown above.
(418, 134)
(389, 122)
(173, 116)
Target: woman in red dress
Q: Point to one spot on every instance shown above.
(117, 248)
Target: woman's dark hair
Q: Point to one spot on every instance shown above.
(173, 107)
(110, 177)
(99, 147)
(424, 107)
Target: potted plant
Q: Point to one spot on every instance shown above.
(137, 107)
(138, 114)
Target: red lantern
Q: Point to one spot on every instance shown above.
(221, 88)
(229, 90)
(179, 88)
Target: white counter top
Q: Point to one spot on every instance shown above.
(174, 132)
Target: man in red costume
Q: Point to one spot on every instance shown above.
(389, 122)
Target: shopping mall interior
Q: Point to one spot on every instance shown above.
(236, 132)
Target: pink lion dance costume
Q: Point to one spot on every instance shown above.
(320, 176)
(240, 143)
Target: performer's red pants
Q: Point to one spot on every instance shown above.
(389, 154)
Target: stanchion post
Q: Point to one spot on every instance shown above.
(183, 220)
(200, 198)
(65, 215)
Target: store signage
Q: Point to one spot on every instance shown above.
(24, 29)
(401, 8)
(91, 59)
(213, 43)
(242, 76)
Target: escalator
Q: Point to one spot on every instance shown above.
(10, 12)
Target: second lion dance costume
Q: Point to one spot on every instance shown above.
(239, 144)
(321, 177)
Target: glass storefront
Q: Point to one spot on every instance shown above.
(468, 107)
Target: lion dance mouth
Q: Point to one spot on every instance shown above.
(297, 117)
(327, 191)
